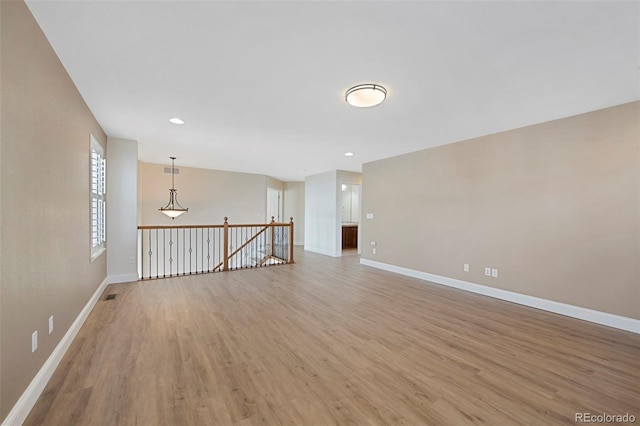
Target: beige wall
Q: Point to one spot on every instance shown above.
(274, 183)
(555, 207)
(210, 195)
(45, 206)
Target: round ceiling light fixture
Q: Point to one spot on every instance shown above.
(365, 95)
(176, 120)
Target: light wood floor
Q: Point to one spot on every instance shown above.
(328, 341)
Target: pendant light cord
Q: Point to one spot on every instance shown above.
(173, 167)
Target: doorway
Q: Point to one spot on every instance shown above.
(350, 206)
(274, 205)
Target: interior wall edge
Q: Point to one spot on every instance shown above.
(122, 278)
(321, 251)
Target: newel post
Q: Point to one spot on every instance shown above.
(291, 240)
(225, 260)
(273, 236)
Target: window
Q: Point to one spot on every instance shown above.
(98, 199)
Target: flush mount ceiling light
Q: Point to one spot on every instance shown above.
(348, 154)
(365, 95)
(176, 120)
(173, 209)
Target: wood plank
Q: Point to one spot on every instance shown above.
(329, 341)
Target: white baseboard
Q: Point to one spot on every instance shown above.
(598, 317)
(122, 278)
(321, 251)
(22, 408)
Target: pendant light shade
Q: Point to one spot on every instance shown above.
(173, 209)
(365, 95)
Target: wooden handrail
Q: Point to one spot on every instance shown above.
(243, 225)
(228, 257)
(182, 226)
(236, 251)
(230, 225)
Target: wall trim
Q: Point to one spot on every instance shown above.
(122, 278)
(28, 399)
(598, 317)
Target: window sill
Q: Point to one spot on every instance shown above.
(97, 254)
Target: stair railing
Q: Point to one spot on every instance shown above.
(167, 251)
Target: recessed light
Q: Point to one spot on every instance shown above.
(348, 154)
(365, 95)
(176, 120)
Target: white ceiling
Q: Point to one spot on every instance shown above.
(261, 84)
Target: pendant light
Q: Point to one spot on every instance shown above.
(173, 209)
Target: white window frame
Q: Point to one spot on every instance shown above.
(98, 203)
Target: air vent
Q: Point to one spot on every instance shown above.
(176, 170)
(110, 297)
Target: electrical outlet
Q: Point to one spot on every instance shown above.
(51, 324)
(373, 243)
(487, 272)
(34, 341)
(369, 215)
(494, 273)
(466, 267)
